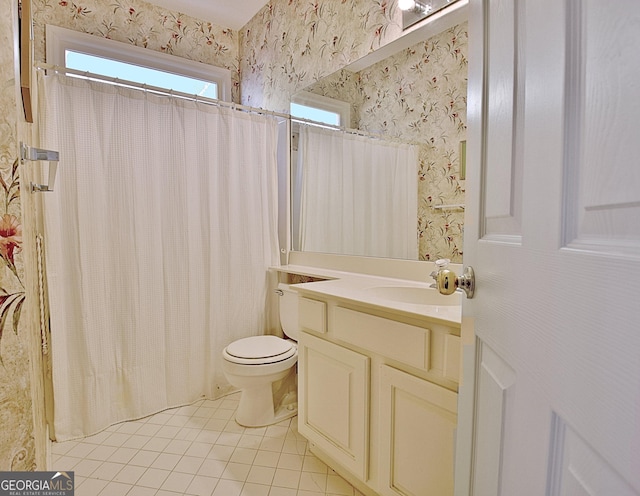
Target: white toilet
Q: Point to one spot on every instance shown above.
(264, 369)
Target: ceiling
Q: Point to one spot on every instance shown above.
(232, 14)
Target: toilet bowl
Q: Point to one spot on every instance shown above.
(264, 369)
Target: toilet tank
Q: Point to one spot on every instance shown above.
(289, 311)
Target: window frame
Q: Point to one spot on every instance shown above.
(59, 40)
(343, 109)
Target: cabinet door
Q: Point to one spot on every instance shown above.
(333, 401)
(417, 428)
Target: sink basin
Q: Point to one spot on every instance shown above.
(414, 295)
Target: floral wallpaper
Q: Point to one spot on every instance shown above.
(142, 24)
(17, 446)
(290, 44)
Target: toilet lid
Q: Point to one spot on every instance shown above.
(259, 347)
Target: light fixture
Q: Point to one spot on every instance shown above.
(414, 11)
(413, 5)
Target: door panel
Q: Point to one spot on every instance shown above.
(496, 381)
(502, 201)
(559, 308)
(577, 469)
(603, 97)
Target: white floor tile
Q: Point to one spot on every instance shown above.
(282, 491)
(81, 450)
(236, 471)
(198, 450)
(136, 441)
(212, 468)
(153, 477)
(228, 488)
(177, 482)
(177, 446)
(313, 464)
(148, 430)
(92, 486)
(243, 455)
(63, 448)
(142, 491)
(310, 481)
(116, 439)
(122, 455)
(189, 464)
(286, 478)
(107, 470)
(129, 474)
(166, 461)
(115, 489)
(222, 453)
(86, 467)
(250, 489)
(202, 486)
(267, 458)
(144, 458)
(261, 475)
(101, 453)
(290, 461)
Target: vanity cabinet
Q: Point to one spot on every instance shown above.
(378, 396)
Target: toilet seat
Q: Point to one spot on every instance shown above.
(260, 350)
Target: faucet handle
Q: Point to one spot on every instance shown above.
(442, 263)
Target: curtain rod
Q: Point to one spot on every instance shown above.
(42, 66)
(357, 132)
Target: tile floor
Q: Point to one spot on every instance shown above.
(197, 450)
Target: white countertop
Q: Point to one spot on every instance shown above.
(357, 288)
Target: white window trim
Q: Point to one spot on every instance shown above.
(343, 109)
(59, 40)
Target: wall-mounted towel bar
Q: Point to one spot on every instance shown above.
(31, 154)
(457, 206)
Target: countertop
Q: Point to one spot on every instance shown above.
(364, 290)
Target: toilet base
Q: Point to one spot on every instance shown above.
(259, 406)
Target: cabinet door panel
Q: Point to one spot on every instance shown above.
(333, 401)
(417, 427)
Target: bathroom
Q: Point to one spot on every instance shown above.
(261, 79)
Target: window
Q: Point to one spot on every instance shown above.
(84, 52)
(320, 109)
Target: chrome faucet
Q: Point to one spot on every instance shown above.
(441, 264)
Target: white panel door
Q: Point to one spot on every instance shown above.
(553, 233)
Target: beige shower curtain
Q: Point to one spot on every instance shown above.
(158, 238)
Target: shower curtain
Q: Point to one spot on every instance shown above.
(158, 238)
(359, 194)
